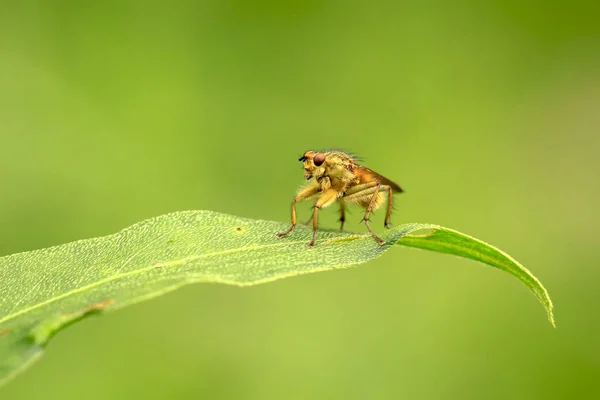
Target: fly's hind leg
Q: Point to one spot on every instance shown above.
(369, 191)
(368, 214)
(388, 214)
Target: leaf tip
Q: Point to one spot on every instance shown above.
(551, 313)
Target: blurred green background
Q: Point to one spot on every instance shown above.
(487, 114)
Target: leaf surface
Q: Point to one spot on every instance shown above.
(43, 291)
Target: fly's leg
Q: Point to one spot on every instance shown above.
(388, 215)
(368, 214)
(284, 234)
(360, 190)
(366, 191)
(308, 221)
(328, 197)
(342, 213)
(305, 193)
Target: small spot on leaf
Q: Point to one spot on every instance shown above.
(100, 305)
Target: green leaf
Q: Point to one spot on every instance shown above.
(43, 291)
(449, 241)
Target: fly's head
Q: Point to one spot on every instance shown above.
(315, 164)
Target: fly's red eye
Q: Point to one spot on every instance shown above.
(319, 159)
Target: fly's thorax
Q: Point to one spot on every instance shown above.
(342, 177)
(335, 171)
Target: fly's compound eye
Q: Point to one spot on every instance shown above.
(319, 159)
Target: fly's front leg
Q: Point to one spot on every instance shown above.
(308, 221)
(305, 193)
(284, 234)
(328, 197)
